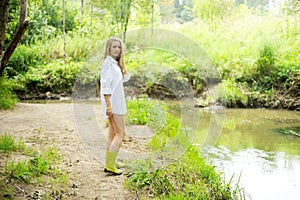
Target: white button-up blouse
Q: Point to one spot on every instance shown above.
(112, 83)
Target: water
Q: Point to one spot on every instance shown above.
(260, 148)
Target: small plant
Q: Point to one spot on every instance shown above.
(140, 177)
(266, 61)
(38, 166)
(19, 171)
(8, 144)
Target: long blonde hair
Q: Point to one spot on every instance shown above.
(119, 59)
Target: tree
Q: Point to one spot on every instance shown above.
(183, 10)
(5, 54)
(213, 10)
(120, 10)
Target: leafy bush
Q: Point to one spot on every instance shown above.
(231, 94)
(266, 61)
(144, 112)
(55, 77)
(8, 99)
(22, 59)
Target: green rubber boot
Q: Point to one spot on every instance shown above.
(110, 167)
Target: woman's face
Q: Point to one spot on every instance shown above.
(115, 49)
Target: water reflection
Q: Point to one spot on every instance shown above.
(252, 145)
(259, 147)
(263, 175)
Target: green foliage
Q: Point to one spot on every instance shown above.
(214, 9)
(155, 59)
(8, 99)
(33, 168)
(163, 132)
(145, 13)
(45, 19)
(156, 66)
(257, 51)
(295, 131)
(144, 112)
(22, 58)
(12, 20)
(19, 171)
(120, 11)
(231, 94)
(56, 77)
(291, 7)
(27, 170)
(184, 12)
(265, 63)
(141, 177)
(165, 126)
(46, 52)
(8, 144)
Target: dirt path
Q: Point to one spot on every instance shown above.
(77, 130)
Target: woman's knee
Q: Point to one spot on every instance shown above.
(119, 123)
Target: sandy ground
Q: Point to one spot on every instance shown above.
(78, 130)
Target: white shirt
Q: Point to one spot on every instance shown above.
(112, 83)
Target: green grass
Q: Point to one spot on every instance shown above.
(24, 165)
(9, 144)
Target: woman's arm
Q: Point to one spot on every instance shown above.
(126, 76)
(108, 105)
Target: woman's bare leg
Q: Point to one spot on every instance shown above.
(119, 126)
(111, 133)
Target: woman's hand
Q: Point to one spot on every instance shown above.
(109, 111)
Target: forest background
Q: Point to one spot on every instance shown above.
(254, 45)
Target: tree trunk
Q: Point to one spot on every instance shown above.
(22, 27)
(4, 4)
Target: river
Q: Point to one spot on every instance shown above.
(257, 148)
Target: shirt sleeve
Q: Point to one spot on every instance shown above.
(106, 79)
(126, 77)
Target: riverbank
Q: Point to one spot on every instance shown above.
(254, 100)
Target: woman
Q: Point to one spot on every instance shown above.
(113, 74)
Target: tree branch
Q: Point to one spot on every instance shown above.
(22, 27)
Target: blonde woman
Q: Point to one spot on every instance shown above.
(113, 74)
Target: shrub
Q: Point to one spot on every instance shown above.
(55, 77)
(231, 94)
(8, 99)
(22, 59)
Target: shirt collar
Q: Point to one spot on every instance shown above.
(112, 59)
